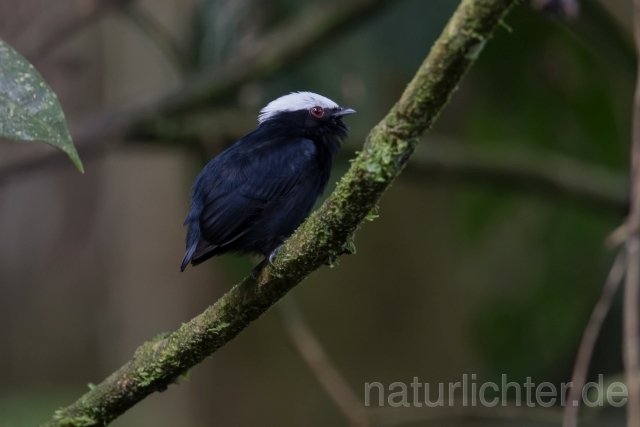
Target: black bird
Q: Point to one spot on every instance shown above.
(252, 196)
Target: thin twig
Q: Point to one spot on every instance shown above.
(618, 236)
(631, 341)
(312, 352)
(158, 34)
(316, 358)
(589, 338)
(632, 284)
(326, 234)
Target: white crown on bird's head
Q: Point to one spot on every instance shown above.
(295, 101)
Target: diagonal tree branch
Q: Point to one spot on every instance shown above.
(318, 361)
(322, 238)
(589, 338)
(359, 415)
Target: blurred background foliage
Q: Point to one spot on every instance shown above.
(456, 275)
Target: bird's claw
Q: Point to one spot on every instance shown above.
(269, 259)
(272, 256)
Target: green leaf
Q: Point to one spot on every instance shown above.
(29, 110)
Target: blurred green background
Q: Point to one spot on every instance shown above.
(460, 274)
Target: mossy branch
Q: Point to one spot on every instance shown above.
(324, 236)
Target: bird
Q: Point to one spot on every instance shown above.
(251, 197)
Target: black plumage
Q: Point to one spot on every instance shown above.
(254, 195)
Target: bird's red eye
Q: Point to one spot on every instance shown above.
(317, 111)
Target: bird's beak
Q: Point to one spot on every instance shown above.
(344, 111)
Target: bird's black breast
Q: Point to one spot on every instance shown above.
(254, 195)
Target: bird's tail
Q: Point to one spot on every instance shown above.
(193, 236)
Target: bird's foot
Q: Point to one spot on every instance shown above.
(272, 256)
(268, 259)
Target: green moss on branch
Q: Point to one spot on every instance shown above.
(160, 363)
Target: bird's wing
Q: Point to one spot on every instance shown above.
(245, 181)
